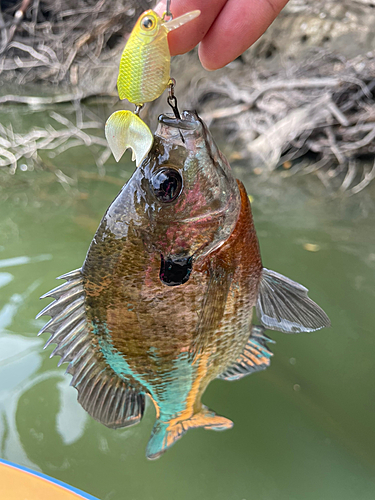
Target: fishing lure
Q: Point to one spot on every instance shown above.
(143, 76)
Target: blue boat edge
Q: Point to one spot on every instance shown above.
(49, 479)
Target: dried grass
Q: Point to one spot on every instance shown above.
(311, 114)
(55, 41)
(318, 117)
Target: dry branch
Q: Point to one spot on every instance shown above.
(40, 42)
(277, 117)
(304, 94)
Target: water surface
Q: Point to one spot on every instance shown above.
(303, 428)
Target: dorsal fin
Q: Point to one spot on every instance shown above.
(255, 357)
(284, 305)
(103, 394)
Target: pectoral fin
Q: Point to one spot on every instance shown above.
(125, 130)
(212, 310)
(284, 305)
(255, 357)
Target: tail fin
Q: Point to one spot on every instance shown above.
(165, 434)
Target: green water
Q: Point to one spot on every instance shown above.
(304, 428)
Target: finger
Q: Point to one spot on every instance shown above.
(187, 37)
(239, 24)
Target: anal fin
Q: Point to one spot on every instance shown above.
(255, 357)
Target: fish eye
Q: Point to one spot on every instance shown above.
(166, 185)
(148, 22)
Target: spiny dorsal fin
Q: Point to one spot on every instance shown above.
(284, 305)
(102, 393)
(255, 357)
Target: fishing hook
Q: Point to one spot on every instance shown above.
(172, 101)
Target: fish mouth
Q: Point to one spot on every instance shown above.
(189, 121)
(175, 271)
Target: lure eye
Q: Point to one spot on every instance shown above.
(148, 23)
(167, 185)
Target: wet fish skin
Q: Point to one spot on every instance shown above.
(137, 230)
(144, 336)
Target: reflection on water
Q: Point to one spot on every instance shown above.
(20, 358)
(5, 278)
(303, 428)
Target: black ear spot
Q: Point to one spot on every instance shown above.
(175, 272)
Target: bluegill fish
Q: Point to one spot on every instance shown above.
(163, 302)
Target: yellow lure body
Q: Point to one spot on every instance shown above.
(143, 76)
(145, 63)
(146, 60)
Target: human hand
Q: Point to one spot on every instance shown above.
(225, 28)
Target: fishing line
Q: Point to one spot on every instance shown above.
(172, 99)
(168, 12)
